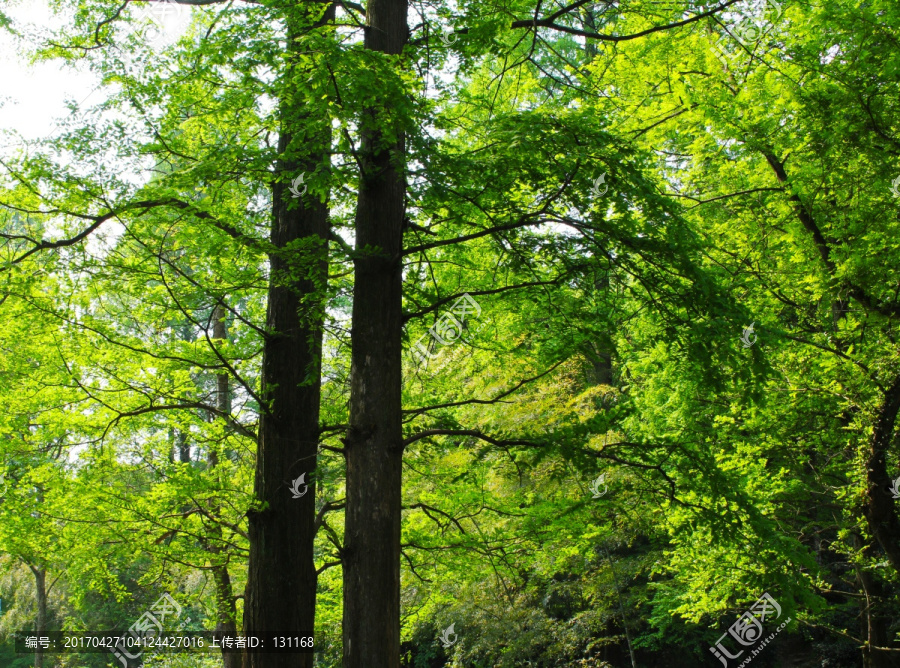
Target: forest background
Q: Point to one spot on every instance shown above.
(486, 333)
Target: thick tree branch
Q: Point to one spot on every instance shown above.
(328, 564)
(333, 537)
(61, 243)
(237, 426)
(329, 506)
(525, 220)
(412, 566)
(98, 220)
(218, 520)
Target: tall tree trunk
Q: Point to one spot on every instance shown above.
(281, 583)
(373, 446)
(40, 585)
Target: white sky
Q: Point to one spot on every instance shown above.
(33, 96)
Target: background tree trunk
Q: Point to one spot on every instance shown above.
(226, 614)
(40, 586)
(226, 610)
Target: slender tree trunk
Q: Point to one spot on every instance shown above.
(220, 332)
(226, 610)
(874, 621)
(281, 587)
(371, 559)
(621, 609)
(184, 448)
(226, 614)
(599, 353)
(40, 585)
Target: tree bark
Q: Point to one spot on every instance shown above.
(374, 444)
(281, 586)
